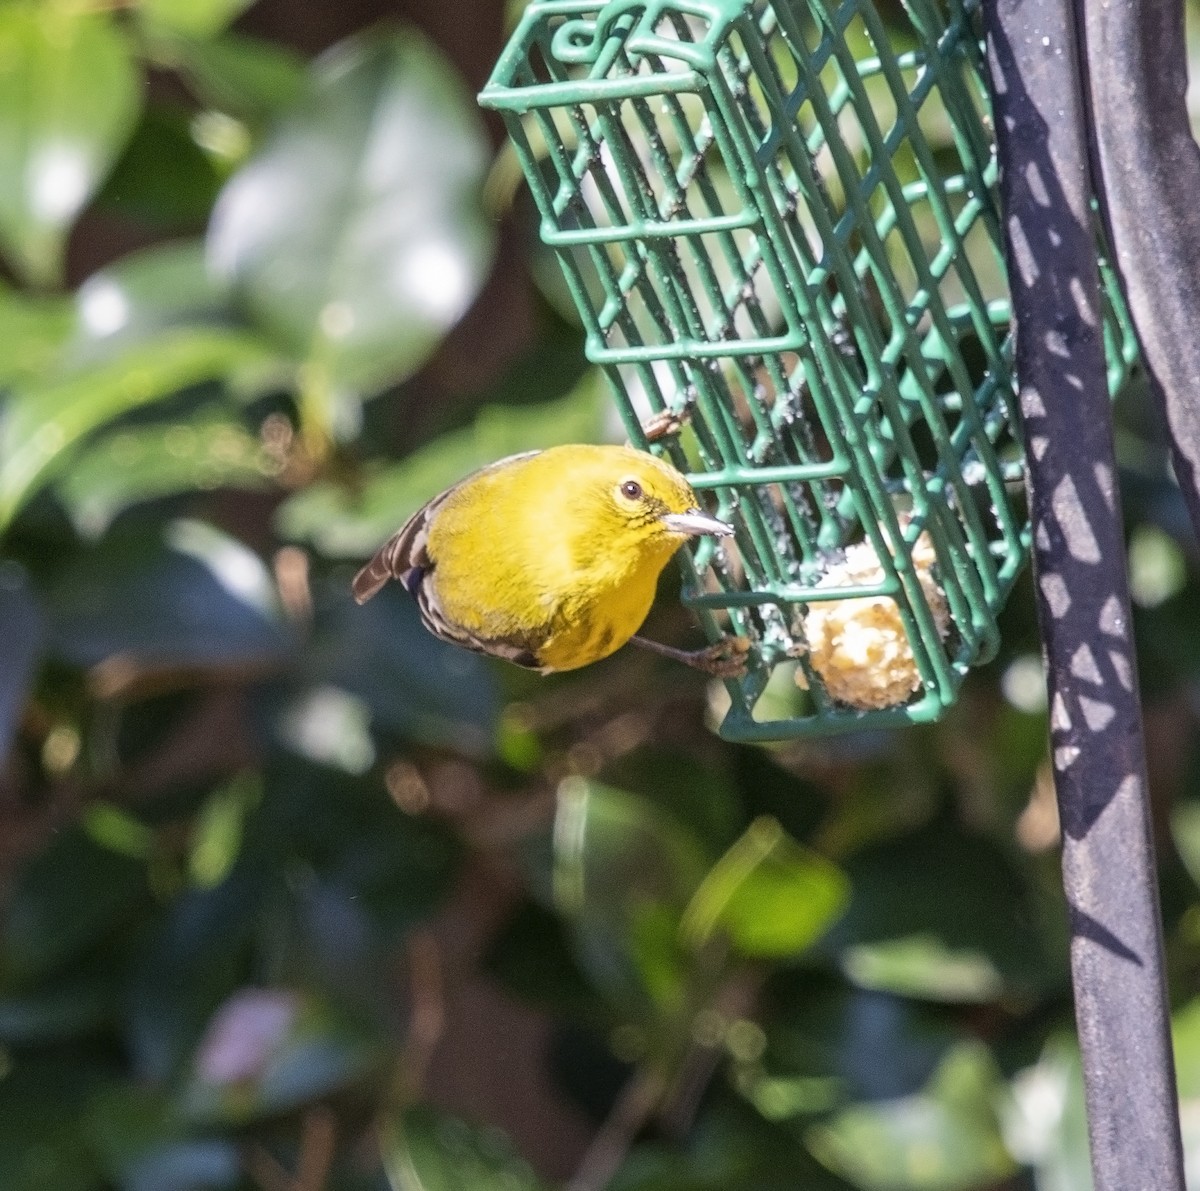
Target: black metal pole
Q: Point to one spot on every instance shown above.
(1146, 166)
(1083, 599)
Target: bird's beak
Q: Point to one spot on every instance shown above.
(694, 523)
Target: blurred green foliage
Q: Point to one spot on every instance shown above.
(283, 878)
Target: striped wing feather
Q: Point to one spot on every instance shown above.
(405, 557)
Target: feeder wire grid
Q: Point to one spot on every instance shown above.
(778, 221)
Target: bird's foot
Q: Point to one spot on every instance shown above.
(728, 658)
(665, 424)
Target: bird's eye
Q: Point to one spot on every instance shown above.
(631, 490)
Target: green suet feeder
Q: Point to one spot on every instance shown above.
(778, 221)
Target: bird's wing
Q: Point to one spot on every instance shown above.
(405, 556)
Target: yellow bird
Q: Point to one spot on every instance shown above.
(549, 559)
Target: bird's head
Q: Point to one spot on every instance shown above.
(654, 504)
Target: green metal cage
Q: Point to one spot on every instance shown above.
(778, 221)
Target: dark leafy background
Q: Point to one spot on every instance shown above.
(295, 897)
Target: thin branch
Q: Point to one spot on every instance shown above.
(318, 1147)
(637, 1103)
(265, 1169)
(428, 1018)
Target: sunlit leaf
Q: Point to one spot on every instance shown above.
(41, 424)
(768, 895)
(69, 98)
(923, 965)
(1045, 1119)
(243, 75)
(190, 18)
(424, 1150)
(32, 331)
(944, 1138)
(354, 235)
(142, 463)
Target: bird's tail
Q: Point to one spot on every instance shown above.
(373, 576)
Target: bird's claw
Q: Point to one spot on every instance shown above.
(728, 658)
(664, 424)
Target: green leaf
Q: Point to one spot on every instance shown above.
(407, 681)
(944, 1138)
(218, 830)
(187, 961)
(532, 957)
(966, 928)
(729, 1148)
(1185, 831)
(144, 463)
(614, 851)
(425, 1150)
(51, 919)
(144, 1146)
(69, 98)
(72, 1006)
(191, 595)
(190, 18)
(396, 867)
(41, 1147)
(164, 178)
(623, 872)
(1045, 1122)
(342, 523)
(42, 423)
(354, 236)
(32, 330)
(243, 75)
(268, 1051)
(768, 895)
(923, 965)
(694, 789)
(166, 287)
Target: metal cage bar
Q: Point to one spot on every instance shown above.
(1097, 744)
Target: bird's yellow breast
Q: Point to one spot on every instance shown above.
(520, 557)
(598, 620)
